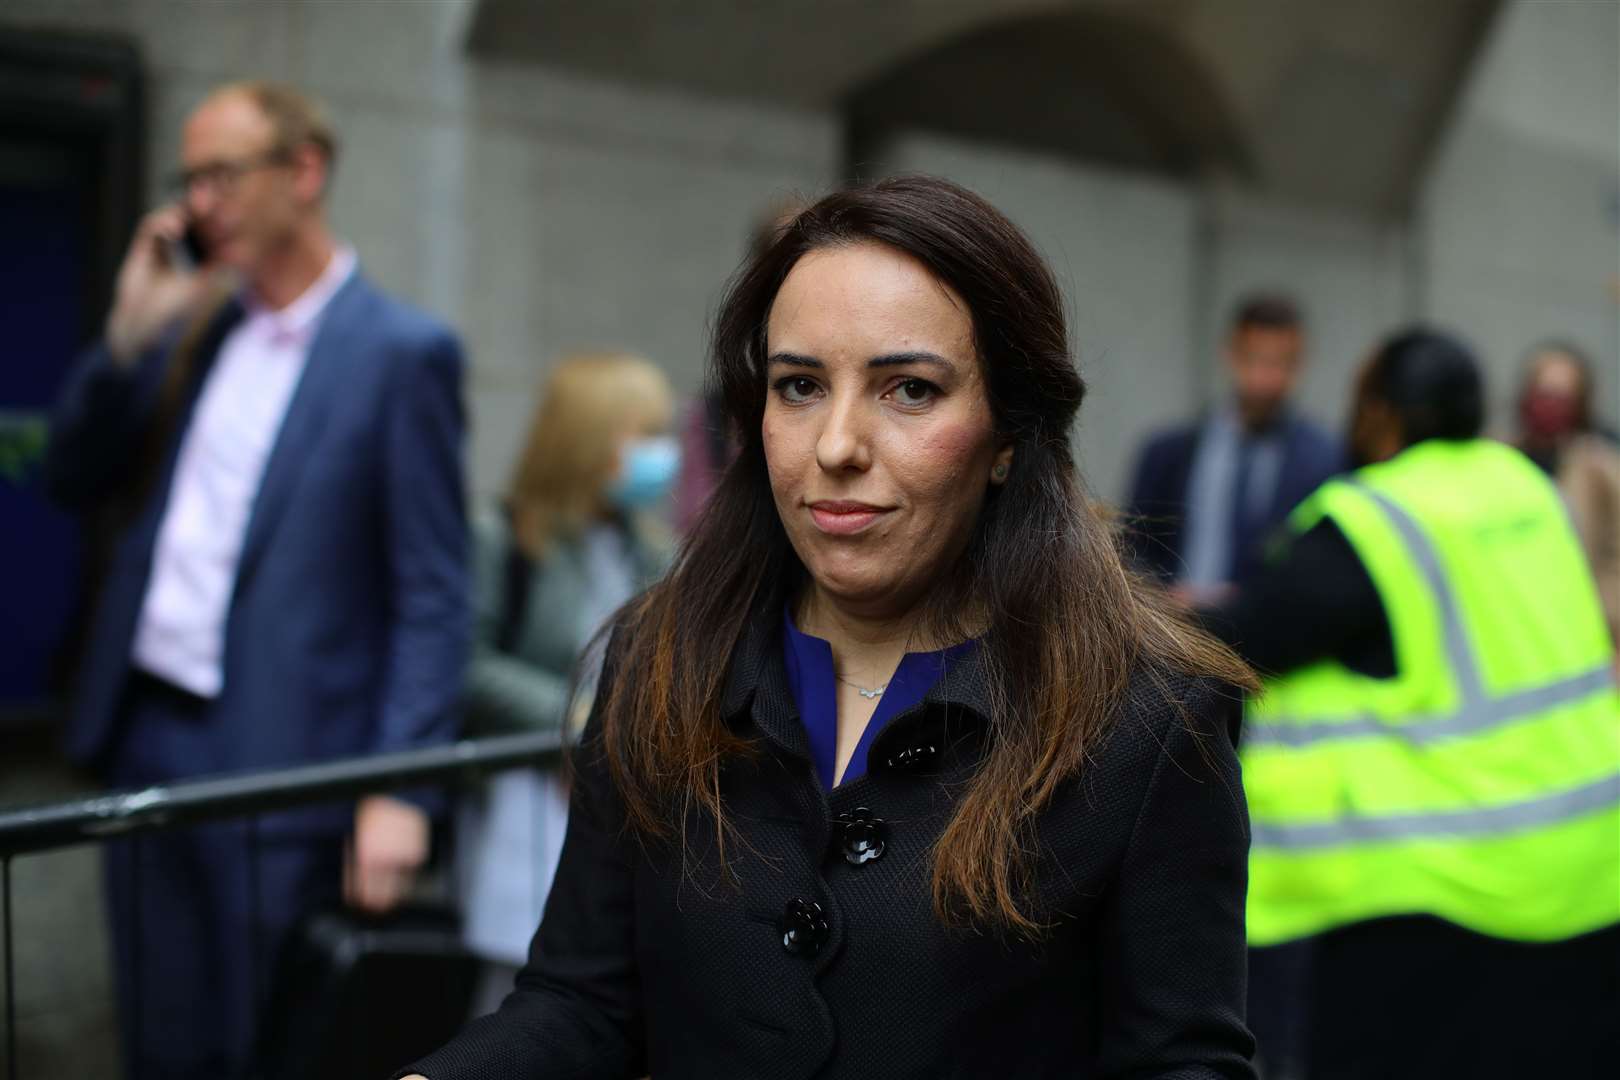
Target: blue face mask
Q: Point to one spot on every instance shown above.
(647, 471)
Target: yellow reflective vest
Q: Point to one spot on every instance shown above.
(1481, 783)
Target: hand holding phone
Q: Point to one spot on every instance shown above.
(157, 282)
(188, 251)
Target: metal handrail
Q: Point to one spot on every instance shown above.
(77, 821)
(62, 824)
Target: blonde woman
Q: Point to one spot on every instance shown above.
(576, 537)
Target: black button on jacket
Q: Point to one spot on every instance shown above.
(822, 965)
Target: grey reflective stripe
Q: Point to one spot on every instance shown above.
(1486, 716)
(1472, 822)
(1463, 666)
(1478, 711)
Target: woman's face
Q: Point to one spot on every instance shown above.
(878, 432)
(1556, 375)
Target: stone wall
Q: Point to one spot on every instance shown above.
(1519, 227)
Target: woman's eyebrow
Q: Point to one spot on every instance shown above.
(885, 360)
(897, 359)
(794, 360)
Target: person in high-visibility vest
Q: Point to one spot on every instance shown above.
(1433, 764)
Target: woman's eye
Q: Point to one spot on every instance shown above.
(796, 389)
(914, 391)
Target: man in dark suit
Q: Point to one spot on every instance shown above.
(1206, 494)
(287, 578)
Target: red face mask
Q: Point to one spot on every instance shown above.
(1547, 416)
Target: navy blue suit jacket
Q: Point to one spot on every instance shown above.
(1157, 509)
(348, 625)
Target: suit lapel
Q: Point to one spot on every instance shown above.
(335, 339)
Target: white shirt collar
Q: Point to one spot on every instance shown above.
(298, 318)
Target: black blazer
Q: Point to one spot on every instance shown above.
(637, 969)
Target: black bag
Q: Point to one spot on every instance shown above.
(361, 996)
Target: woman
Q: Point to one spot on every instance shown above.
(1559, 433)
(897, 773)
(573, 542)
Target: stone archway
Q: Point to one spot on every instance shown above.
(1090, 85)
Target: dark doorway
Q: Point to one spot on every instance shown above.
(71, 131)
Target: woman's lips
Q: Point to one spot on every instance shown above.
(844, 518)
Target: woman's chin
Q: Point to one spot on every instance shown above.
(855, 592)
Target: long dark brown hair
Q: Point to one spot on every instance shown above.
(1062, 623)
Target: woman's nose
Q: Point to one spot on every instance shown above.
(843, 442)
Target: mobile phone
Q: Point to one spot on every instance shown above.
(190, 251)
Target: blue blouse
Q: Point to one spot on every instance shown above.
(814, 685)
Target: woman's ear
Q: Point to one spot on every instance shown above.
(1002, 465)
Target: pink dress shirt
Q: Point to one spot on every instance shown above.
(180, 636)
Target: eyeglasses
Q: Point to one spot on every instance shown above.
(220, 177)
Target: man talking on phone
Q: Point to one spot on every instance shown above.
(277, 445)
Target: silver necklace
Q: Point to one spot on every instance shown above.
(869, 694)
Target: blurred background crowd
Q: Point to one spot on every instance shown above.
(1241, 198)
